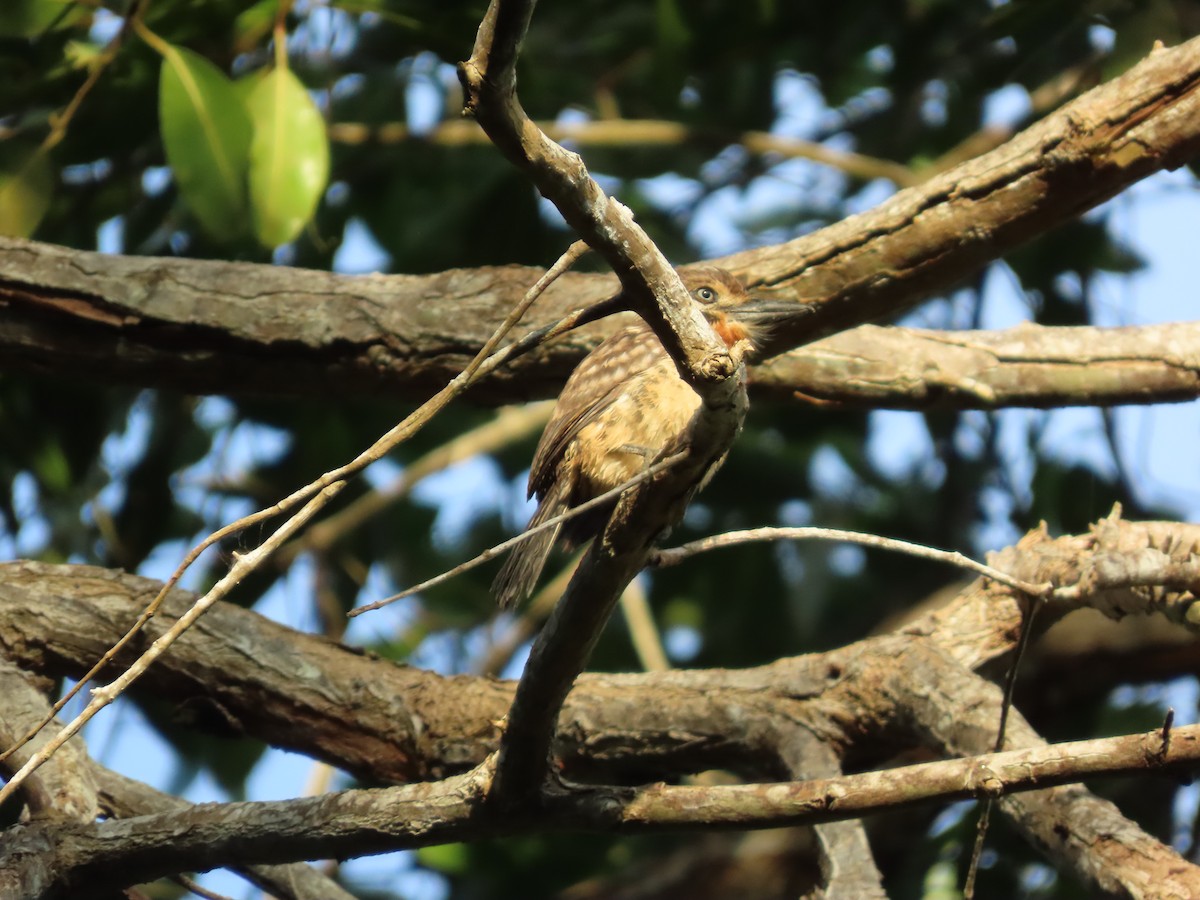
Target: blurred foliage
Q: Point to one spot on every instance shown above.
(121, 477)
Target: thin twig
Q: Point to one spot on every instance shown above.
(484, 362)
(675, 555)
(509, 425)
(492, 552)
(60, 122)
(243, 565)
(1010, 686)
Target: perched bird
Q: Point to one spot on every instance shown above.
(622, 406)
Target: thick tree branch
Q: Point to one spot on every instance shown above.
(846, 861)
(64, 789)
(295, 690)
(47, 864)
(926, 238)
(56, 620)
(908, 368)
(1120, 568)
(203, 326)
(1073, 827)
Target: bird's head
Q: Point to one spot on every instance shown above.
(728, 306)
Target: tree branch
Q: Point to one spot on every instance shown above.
(63, 789)
(296, 690)
(360, 822)
(1030, 365)
(77, 787)
(638, 133)
(650, 284)
(202, 326)
(1074, 828)
(926, 238)
(653, 288)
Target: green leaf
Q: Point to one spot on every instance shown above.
(289, 157)
(29, 18)
(26, 185)
(207, 136)
(52, 469)
(449, 858)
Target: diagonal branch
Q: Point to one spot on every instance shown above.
(649, 282)
(926, 238)
(78, 787)
(653, 288)
(69, 311)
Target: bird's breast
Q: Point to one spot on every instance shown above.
(651, 415)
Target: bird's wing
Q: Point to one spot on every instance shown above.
(601, 375)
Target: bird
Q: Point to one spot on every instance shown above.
(621, 408)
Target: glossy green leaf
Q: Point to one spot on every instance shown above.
(29, 18)
(289, 157)
(26, 186)
(207, 135)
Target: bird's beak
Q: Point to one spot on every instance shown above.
(767, 319)
(767, 312)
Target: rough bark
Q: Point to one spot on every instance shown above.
(396, 723)
(218, 327)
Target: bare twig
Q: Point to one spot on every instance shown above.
(198, 889)
(675, 555)
(492, 552)
(60, 122)
(507, 426)
(102, 697)
(327, 486)
(484, 362)
(1029, 609)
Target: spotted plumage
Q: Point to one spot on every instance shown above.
(621, 408)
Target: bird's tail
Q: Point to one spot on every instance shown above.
(520, 572)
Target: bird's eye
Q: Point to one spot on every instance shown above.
(706, 294)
